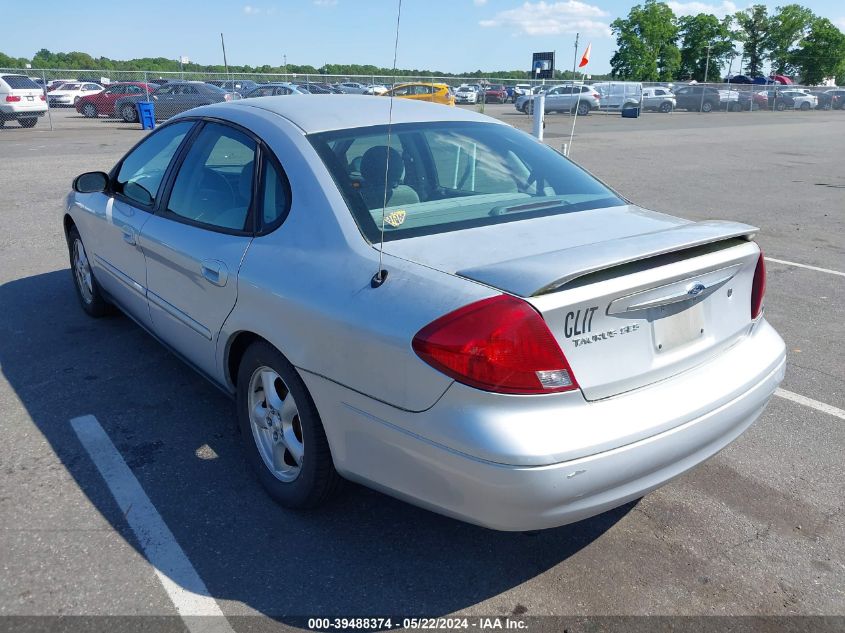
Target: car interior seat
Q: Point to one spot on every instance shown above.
(373, 175)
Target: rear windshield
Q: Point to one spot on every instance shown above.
(446, 176)
(19, 82)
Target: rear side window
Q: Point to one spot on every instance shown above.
(275, 195)
(19, 82)
(214, 184)
(143, 169)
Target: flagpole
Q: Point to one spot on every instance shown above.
(578, 101)
(575, 59)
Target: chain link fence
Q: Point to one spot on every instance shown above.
(75, 95)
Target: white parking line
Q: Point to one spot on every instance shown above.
(809, 402)
(816, 268)
(184, 587)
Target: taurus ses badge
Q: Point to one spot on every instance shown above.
(695, 290)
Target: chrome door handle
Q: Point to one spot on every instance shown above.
(215, 272)
(129, 235)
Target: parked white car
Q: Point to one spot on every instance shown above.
(466, 94)
(801, 100)
(68, 94)
(519, 90)
(375, 89)
(21, 100)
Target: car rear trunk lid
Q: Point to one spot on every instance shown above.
(635, 308)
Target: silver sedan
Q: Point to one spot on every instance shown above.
(438, 307)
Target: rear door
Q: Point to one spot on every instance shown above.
(195, 243)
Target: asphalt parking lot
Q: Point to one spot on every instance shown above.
(757, 530)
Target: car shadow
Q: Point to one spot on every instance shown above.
(364, 553)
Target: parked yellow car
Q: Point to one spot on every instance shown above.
(436, 93)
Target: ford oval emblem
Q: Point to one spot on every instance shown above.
(696, 290)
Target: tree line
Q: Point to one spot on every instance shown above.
(653, 44)
(83, 61)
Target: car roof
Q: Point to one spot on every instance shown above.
(338, 112)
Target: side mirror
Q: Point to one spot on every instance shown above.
(91, 182)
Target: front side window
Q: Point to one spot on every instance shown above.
(142, 171)
(214, 184)
(447, 176)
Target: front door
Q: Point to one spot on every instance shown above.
(195, 244)
(114, 220)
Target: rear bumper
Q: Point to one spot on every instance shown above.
(22, 112)
(374, 449)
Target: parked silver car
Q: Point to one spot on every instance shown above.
(528, 350)
(660, 99)
(352, 87)
(563, 99)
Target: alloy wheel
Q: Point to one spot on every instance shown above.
(82, 271)
(275, 423)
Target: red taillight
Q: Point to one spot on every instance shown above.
(43, 98)
(758, 287)
(12, 98)
(499, 344)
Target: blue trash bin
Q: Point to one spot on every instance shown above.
(630, 112)
(147, 115)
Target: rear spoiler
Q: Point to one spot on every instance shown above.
(530, 276)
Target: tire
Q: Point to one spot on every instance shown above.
(734, 107)
(28, 122)
(286, 446)
(584, 109)
(665, 107)
(87, 289)
(805, 106)
(89, 110)
(706, 107)
(780, 106)
(128, 113)
(75, 101)
(528, 108)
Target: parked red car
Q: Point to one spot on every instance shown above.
(496, 94)
(102, 103)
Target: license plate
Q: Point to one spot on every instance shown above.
(30, 98)
(675, 330)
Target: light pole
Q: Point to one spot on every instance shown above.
(706, 70)
(285, 57)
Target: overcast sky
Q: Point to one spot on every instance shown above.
(448, 35)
